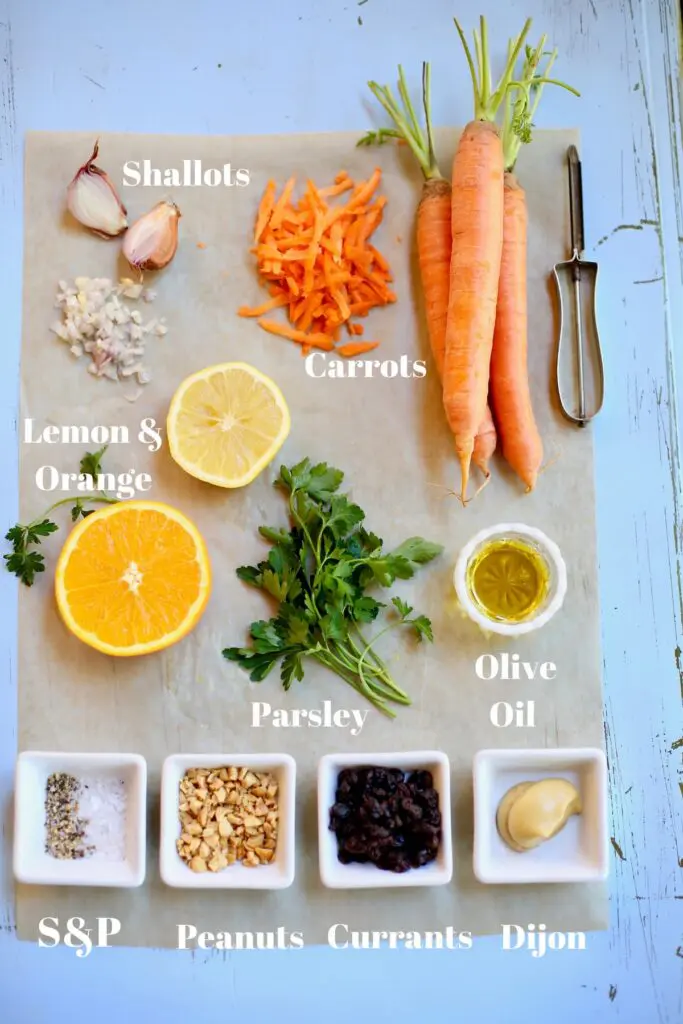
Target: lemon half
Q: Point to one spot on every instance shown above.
(226, 423)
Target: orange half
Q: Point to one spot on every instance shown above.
(133, 578)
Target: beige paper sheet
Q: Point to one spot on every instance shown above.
(390, 438)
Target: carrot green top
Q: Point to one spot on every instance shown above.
(487, 100)
(518, 112)
(407, 128)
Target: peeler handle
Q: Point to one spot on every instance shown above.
(575, 201)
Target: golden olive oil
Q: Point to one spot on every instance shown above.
(508, 580)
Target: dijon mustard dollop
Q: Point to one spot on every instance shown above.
(530, 813)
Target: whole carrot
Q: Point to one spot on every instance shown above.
(476, 251)
(509, 383)
(485, 445)
(434, 240)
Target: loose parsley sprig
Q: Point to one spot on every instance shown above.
(319, 571)
(24, 562)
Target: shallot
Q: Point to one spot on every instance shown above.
(94, 202)
(151, 242)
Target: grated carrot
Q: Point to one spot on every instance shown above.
(315, 339)
(265, 307)
(280, 207)
(317, 262)
(356, 348)
(265, 209)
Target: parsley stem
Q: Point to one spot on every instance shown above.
(368, 648)
(102, 499)
(382, 677)
(382, 681)
(348, 676)
(301, 523)
(375, 657)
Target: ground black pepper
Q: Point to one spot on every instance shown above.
(64, 830)
(385, 817)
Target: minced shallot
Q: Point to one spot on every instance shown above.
(96, 321)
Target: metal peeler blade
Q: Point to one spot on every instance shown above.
(580, 373)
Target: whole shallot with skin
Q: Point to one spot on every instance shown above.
(93, 200)
(151, 242)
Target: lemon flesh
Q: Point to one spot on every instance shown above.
(226, 423)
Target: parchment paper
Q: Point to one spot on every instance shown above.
(390, 438)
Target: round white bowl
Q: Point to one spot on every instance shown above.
(558, 578)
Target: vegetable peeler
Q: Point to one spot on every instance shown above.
(580, 373)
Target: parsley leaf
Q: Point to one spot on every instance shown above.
(292, 668)
(417, 550)
(423, 627)
(25, 563)
(91, 463)
(324, 481)
(22, 562)
(34, 531)
(401, 607)
(366, 609)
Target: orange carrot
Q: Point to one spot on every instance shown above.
(476, 252)
(485, 445)
(509, 384)
(477, 227)
(434, 256)
(521, 441)
(434, 240)
(356, 348)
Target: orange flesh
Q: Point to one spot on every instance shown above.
(133, 578)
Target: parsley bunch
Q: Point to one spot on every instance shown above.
(24, 562)
(319, 571)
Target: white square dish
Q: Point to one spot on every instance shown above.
(278, 874)
(334, 874)
(578, 853)
(33, 865)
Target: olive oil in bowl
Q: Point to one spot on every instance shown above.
(508, 579)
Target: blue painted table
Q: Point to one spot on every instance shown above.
(227, 67)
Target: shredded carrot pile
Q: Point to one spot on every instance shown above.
(318, 262)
